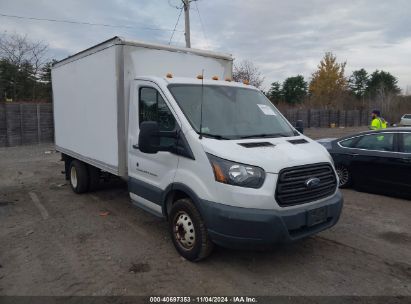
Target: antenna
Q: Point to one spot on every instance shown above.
(201, 104)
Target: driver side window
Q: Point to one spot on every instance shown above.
(152, 107)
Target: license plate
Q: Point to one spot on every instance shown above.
(316, 216)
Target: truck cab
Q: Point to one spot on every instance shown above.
(222, 164)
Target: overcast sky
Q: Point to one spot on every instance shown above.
(283, 38)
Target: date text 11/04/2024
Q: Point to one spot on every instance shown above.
(203, 299)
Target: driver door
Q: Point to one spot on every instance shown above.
(150, 174)
(373, 161)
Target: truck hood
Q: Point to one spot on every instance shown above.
(282, 153)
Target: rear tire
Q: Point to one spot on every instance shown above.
(344, 176)
(94, 177)
(188, 231)
(79, 177)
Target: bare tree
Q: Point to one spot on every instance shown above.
(247, 71)
(22, 53)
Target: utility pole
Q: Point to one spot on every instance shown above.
(186, 4)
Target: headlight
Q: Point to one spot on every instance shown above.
(236, 174)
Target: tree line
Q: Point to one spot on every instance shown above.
(25, 69)
(25, 75)
(330, 88)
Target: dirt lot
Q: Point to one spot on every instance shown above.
(54, 242)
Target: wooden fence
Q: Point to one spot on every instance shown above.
(26, 123)
(314, 118)
(32, 123)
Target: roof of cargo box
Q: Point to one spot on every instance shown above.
(122, 41)
(199, 81)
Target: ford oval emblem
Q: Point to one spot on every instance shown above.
(312, 182)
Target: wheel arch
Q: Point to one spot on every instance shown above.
(342, 159)
(177, 191)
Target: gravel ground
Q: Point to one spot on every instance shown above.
(54, 242)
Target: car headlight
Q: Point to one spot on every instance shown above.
(236, 174)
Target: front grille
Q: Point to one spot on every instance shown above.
(292, 190)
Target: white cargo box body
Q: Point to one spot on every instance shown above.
(91, 93)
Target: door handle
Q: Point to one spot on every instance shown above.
(135, 147)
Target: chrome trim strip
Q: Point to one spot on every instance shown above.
(374, 133)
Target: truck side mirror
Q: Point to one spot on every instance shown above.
(149, 137)
(299, 126)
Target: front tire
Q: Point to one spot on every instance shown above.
(79, 177)
(188, 231)
(344, 176)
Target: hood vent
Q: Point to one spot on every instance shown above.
(297, 141)
(256, 144)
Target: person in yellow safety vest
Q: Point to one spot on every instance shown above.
(377, 122)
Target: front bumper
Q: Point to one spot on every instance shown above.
(237, 227)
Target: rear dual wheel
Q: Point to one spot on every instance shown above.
(79, 177)
(83, 177)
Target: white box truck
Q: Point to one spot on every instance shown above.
(212, 156)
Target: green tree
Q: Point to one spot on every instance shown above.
(382, 89)
(294, 89)
(45, 73)
(27, 58)
(358, 82)
(275, 92)
(328, 83)
(7, 75)
(26, 81)
(45, 79)
(16, 80)
(382, 83)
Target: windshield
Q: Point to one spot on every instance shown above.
(230, 112)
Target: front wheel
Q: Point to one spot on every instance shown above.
(344, 176)
(188, 231)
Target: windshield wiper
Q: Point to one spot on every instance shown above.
(265, 135)
(216, 136)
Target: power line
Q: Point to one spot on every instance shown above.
(201, 23)
(175, 26)
(86, 23)
(175, 6)
(186, 7)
